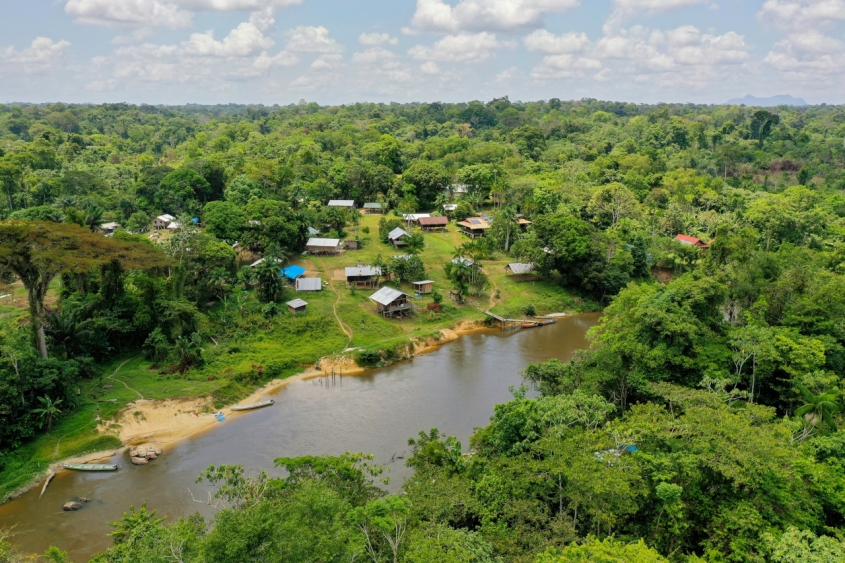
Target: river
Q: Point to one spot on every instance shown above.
(453, 389)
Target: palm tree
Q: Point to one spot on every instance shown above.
(94, 217)
(818, 408)
(416, 243)
(48, 410)
(67, 330)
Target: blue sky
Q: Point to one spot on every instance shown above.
(329, 51)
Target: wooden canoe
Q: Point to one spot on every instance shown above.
(91, 466)
(253, 406)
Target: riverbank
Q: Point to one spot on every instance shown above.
(167, 421)
(254, 348)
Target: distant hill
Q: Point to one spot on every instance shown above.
(782, 100)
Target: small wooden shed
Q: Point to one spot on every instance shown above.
(373, 208)
(296, 306)
(345, 203)
(397, 236)
(423, 287)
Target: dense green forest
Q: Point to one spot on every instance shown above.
(701, 426)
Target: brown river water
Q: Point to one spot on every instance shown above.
(453, 389)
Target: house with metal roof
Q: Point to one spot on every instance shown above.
(415, 217)
(519, 269)
(161, 222)
(397, 236)
(433, 223)
(423, 287)
(261, 261)
(450, 207)
(109, 228)
(373, 208)
(312, 232)
(297, 306)
(692, 241)
(323, 245)
(392, 302)
(474, 226)
(309, 284)
(362, 275)
(345, 203)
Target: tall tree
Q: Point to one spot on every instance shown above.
(36, 252)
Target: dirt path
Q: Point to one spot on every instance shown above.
(347, 330)
(113, 378)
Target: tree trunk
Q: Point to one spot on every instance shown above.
(35, 294)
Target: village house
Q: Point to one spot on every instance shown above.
(309, 284)
(109, 228)
(391, 302)
(323, 245)
(162, 221)
(344, 203)
(373, 208)
(450, 207)
(434, 223)
(414, 217)
(692, 241)
(474, 226)
(423, 287)
(297, 306)
(293, 272)
(397, 236)
(521, 271)
(362, 275)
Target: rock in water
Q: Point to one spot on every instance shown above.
(72, 505)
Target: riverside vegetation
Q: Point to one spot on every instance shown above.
(701, 426)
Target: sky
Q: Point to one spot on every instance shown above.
(345, 51)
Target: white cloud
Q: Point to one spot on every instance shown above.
(542, 40)
(485, 15)
(464, 47)
(564, 66)
(43, 54)
(508, 74)
(114, 13)
(244, 40)
(374, 55)
(327, 62)
(430, 68)
(377, 39)
(166, 13)
(802, 14)
(310, 39)
(624, 9)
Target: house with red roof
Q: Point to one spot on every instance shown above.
(692, 241)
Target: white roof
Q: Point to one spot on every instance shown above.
(450, 206)
(359, 271)
(415, 216)
(312, 231)
(386, 295)
(457, 188)
(166, 218)
(261, 261)
(296, 303)
(397, 233)
(110, 226)
(309, 284)
(520, 268)
(342, 203)
(333, 242)
(424, 281)
(174, 225)
(372, 206)
(464, 261)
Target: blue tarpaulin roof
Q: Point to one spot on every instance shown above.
(293, 272)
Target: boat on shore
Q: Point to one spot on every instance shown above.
(540, 323)
(253, 406)
(90, 466)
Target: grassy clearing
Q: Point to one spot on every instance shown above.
(263, 349)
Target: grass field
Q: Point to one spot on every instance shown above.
(338, 319)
